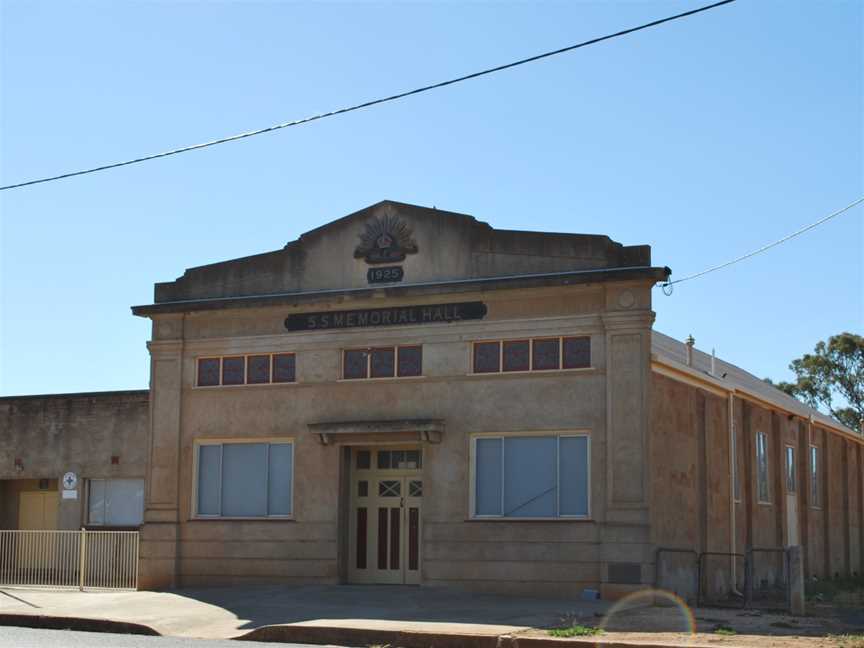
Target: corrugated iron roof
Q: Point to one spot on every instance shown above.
(671, 350)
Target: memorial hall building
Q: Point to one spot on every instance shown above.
(409, 396)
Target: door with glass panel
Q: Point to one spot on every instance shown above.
(385, 523)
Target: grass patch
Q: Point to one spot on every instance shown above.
(849, 640)
(724, 630)
(576, 631)
(837, 588)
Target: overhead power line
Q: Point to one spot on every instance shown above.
(806, 228)
(367, 104)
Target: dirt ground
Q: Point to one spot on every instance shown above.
(825, 626)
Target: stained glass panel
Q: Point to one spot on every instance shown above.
(410, 361)
(355, 364)
(208, 372)
(283, 368)
(233, 371)
(517, 355)
(258, 369)
(577, 352)
(486, 357)
(383, 362)
(546, 354)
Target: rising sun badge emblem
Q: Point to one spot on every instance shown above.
(385, 239)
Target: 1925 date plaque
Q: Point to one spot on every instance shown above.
(389, 274)
(398, 315)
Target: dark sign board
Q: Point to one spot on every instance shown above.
(395, 316)
(385, 275)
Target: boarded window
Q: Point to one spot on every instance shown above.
(531, 476)
(245, 479)
(115, 502)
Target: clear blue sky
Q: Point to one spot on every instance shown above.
(704, 138)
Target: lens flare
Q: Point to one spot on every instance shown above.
(651, 597)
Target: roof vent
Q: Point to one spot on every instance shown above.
(689, 342)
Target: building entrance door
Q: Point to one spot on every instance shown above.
(385, 520)
(37, 510)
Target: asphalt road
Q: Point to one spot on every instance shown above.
(13, 637)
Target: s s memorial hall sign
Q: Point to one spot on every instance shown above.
(427, 314)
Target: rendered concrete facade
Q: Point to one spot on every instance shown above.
(533, 285)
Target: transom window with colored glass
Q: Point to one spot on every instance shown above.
(257, 369)
(532, 354)
(382, 362)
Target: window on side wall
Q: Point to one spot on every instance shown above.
(791, 472)
(815, 477)
(762, 484)
(245, 480)
(531, 476)
(115, 502)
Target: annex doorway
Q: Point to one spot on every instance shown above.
(385, 517)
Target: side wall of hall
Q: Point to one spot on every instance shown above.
(692, 486)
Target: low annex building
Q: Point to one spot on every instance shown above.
(409, 396)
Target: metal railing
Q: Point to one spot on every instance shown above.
(91, 560)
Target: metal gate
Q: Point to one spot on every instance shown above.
(91, 560)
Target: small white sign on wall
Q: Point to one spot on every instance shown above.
(70, 494)
(70, 481)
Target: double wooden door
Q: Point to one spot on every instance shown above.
(385, 520)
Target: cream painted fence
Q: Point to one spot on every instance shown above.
(91, 560)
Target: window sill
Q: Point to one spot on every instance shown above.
(532, 372)
(109, 527)
(525, 519)
(381, 379)
(761, 503)
(256, 385)
(241, 519)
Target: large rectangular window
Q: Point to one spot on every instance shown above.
(245, 479)
(762, 484)
(382, 362)
(815, 477)
(537, 354)
(115, 502)
(531, 476)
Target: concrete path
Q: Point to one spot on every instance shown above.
(221, 613)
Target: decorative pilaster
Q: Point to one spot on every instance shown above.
(160, 533)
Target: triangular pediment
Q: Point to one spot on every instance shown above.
(392, 242)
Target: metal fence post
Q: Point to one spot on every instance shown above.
(82, 555)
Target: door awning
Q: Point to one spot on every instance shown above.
(387, 431)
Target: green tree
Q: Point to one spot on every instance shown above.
(832, 378)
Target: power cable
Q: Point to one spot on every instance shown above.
(806, 228)
(367, 104)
